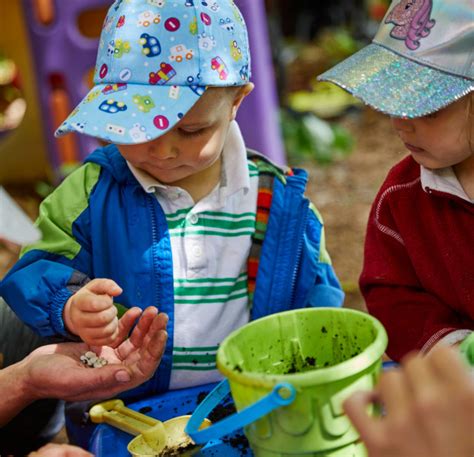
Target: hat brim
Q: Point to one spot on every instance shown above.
(396, 85)
(130, 113)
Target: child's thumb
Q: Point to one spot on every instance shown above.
(104, 287)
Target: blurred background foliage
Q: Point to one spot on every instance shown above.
(309, 38)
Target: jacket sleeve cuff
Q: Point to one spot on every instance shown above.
(445, 337)
(56, 312)
(326, 295)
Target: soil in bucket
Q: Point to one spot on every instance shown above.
(326, 354)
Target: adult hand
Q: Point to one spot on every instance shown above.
(91, 314)
(60, 450)
(429, 405)
(55, 371)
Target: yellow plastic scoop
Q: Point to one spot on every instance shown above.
(155, 438)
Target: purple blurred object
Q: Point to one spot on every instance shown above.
(258, 117)
(62, 55)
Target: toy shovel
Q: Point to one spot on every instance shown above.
(154, 438)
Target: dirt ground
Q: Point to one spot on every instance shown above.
(343, 192)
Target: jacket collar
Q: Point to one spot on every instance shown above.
(110, 159)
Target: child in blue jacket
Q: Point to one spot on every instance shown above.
(175, 212)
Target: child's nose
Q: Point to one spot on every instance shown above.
(403, 125)
(163, 151)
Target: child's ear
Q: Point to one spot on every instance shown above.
(239, 98)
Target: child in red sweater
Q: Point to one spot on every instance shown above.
(418, 275)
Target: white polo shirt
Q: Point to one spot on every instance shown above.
(210, 243)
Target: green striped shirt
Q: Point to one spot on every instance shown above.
(210, 243)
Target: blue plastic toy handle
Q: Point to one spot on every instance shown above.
(283, 394)
(389, 365)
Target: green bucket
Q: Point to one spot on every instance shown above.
(326, 354)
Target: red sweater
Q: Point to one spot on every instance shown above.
(418, 275)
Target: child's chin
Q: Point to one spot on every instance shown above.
(428, 164)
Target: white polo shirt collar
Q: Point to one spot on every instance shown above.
(443, 180)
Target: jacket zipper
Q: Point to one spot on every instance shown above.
(289, 274)
(302, 220)
(154, 231)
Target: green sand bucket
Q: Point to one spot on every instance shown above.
(289, 375)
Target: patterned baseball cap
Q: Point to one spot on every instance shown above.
(420, 60)
(155, 60)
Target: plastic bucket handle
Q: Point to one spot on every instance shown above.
(389, 365)
(283, 394)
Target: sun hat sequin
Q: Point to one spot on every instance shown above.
(420, 60)
(155, 60)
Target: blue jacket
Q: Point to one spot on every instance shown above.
(97, 225)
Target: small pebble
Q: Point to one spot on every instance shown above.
(92, 360)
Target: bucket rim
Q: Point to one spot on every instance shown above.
(370, 356)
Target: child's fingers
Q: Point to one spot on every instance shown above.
(91, 303)
(420, 377)
(395, 394)
(101, 336)
(429, 409)
(448, 366)
(104, 287)
(443, 404)
(370, 429)
(98, 320)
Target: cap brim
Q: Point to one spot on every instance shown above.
(132, 113)
(396, 85)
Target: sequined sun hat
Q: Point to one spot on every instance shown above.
(155, 60)
(420, 60)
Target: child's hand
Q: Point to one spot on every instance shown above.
(429, 406)
(90, 314)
